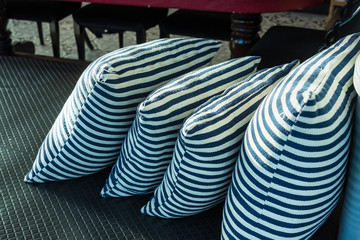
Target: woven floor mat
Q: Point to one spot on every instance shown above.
(32, 93)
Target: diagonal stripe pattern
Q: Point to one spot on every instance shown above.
(88, 133)
(291, 167)
(148, 148)
(208, 145)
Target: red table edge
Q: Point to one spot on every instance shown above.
(239, 6)
(245, 20)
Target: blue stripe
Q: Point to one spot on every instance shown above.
(158, 121)
(94, 122)
(311, 112)
(208, 146)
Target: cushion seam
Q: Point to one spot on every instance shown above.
(52, 159)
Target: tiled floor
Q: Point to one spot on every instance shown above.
(27, 31)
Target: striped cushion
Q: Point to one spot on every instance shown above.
(292, 162)
(88, 133)
(350, 218)
(148, 148)
(207, 147)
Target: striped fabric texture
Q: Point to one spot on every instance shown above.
(149, 145)
(87, 135)
(208, 145)
(350, 217)
(292, 162)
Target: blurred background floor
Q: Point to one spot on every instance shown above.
(23, 31)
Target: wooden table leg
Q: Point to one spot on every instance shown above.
(245, 32)
(5, 41)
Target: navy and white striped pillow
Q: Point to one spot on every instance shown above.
(149, 145)
(88, 133)
(208, 145)
(291, 166)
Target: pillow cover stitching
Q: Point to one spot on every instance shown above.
(174, 186)
(310, 94)
(190, 152)
(124, 165)
(142, 108)
(274, 172)
(85, 89)
(86, 99)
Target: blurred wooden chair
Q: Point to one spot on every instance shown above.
(283, 44)
(334, 12)
(193, 23)
(43, 11)
(106, 19)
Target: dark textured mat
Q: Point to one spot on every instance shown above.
(32, 93)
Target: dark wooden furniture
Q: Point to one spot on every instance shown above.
(43, 11)
(213, 25)
(246, 17)
(105, 18)
(283, 44)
